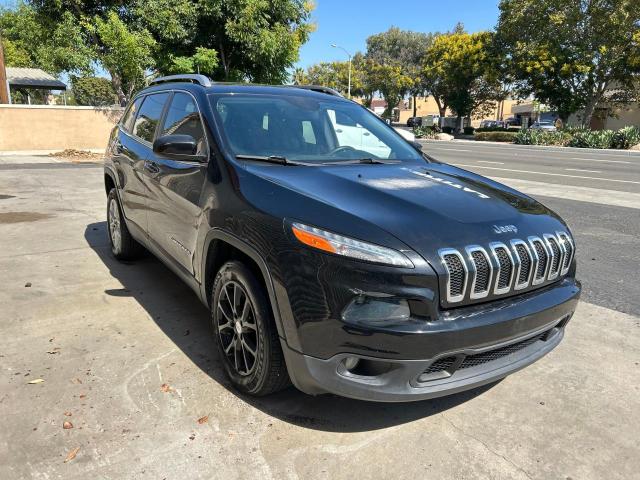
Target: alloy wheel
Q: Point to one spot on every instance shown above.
(114, 225)
(237, 328)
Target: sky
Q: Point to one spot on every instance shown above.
(348, 23)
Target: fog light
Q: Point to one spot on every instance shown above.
(351, 362)
(377, 312)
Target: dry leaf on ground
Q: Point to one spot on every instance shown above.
(67, 425)
(166, 388)
(204, 419)
(72, 454)
(36, 380)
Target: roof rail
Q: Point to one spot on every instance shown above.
(186, 77)
(318, 88)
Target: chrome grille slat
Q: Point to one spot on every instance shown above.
(566, 243)
(475, 272)
(525, 269)
(504, 267)
(555, 256)
(458, 273)
(481, 271)
(542, 255)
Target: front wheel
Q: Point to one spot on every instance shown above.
(245, 332)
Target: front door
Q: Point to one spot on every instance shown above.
(175, 186)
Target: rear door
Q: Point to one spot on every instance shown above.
(175, 186)
(134, 146)
(128, 156)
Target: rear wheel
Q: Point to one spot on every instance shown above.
(245, 332)
(123, 245)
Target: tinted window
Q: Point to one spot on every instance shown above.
(127, 120)
(149, 116)
(183, 119)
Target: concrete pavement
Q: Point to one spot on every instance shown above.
(124, 349)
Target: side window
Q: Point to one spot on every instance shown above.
(308, 134)
(130, 115)
(148, 117)
(183, 119)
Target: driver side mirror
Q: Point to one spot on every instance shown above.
(417, 146)
(178, 145)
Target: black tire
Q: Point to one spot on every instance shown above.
(236, 286)
(123, 245)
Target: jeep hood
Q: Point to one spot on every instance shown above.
(426, 206)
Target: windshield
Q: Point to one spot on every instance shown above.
(303, 128)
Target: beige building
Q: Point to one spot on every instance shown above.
(427, 106)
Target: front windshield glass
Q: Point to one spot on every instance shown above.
(304, 128)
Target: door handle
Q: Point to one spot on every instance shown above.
(151, 167)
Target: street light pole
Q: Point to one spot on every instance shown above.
(348, 55)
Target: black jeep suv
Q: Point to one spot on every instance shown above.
(332, 253)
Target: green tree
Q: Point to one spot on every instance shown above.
(572, 54)
(255, 40)
(124, 53)
(462, 73)
(403, 49)
(94, 91)
(54, 47)
(390, 82)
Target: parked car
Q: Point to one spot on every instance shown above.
(406, 134)
(492, 124)
(548, 126)
(414, 121)
(361, 268)
(513, 122)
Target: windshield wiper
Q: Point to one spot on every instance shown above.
(280, 160)
(369, 161)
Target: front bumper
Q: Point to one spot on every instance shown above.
(476, 348)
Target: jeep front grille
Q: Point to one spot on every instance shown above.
(502, 268)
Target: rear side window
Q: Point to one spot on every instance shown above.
(129, 117)
(149, 115)
(183, 118)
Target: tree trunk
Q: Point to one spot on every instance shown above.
(415, 106)
(442, 111)
(459, 124)
(116, 82)
(225, 65)
(589, 109)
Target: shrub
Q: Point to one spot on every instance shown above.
(495, 136)
(626, 138)
(469, 130)
(448, 130)
(425, 132)
(542, 137)
(591, 138)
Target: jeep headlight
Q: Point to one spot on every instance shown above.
(349, 247)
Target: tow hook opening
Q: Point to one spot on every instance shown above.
(353, 366)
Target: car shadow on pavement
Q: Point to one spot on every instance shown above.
(181, 316)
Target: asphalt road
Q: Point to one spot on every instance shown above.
(122, 351)
(567, 166)
(607, 234)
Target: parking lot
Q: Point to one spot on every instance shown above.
(123, 353)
